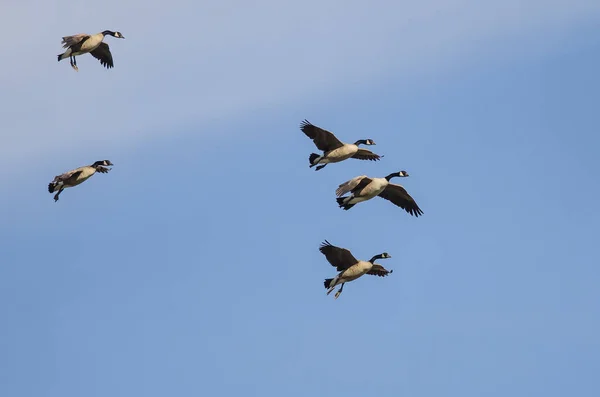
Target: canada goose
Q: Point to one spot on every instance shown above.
(333, 149)
(349, 267)
(77, 176)
(363, 188)
(83, 43)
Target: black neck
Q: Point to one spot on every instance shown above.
(373, 259)
(360, 142)
(108, 33)
(390, 176)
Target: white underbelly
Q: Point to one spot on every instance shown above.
(356, 271)
(86, 173)
(374, 188)
(90, 45)
(341, 153)
(356, 200)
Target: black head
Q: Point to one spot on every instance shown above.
(385, 255)
(118, 35)
(104, 163)
(364, 142)
(402, 174)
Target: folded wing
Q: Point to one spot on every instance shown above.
(68, 41)
(348, 186)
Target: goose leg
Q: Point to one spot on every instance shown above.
(321, 166)
(74, 63)
(57, 194)
(337, 294)
(330, 290)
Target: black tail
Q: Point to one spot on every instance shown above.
(59, 57)
(312, 158)
(328, 282)
(340, 201)
(51, 187)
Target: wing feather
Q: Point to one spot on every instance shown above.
(348, 186)
(323, 139)
(68, 41)
(67, 175)
(102, 53)
(378, 270)
(338, 257)
(102, 170)
(400, 197)
(364, 154)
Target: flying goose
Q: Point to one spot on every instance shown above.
(77, 176)
(349, 267)
(334, 150)
(363, 188)
(83, 43)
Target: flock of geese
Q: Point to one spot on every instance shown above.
(357, 190)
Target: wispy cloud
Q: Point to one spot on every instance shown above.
(185, 60)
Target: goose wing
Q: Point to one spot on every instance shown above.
(378, 270)
(350, 185)
(323, 139)
(102, 53)
(338, 257)
(364, 154)
(102, 170)
(400, 197)
(68, 41)
(67, 175)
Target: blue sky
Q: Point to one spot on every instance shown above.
(193, 266)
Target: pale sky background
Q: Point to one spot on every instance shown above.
(192, 268)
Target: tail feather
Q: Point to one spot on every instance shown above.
(340, 201)
(65, 54)
(312, 158)
(328, 282)
(51, 187)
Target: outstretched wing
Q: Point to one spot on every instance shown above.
(338, 257)
(350, 185)
(102, 53)
(399, 196)
(364, 154)
(378, 270)
(68, 41)
(323, 139)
